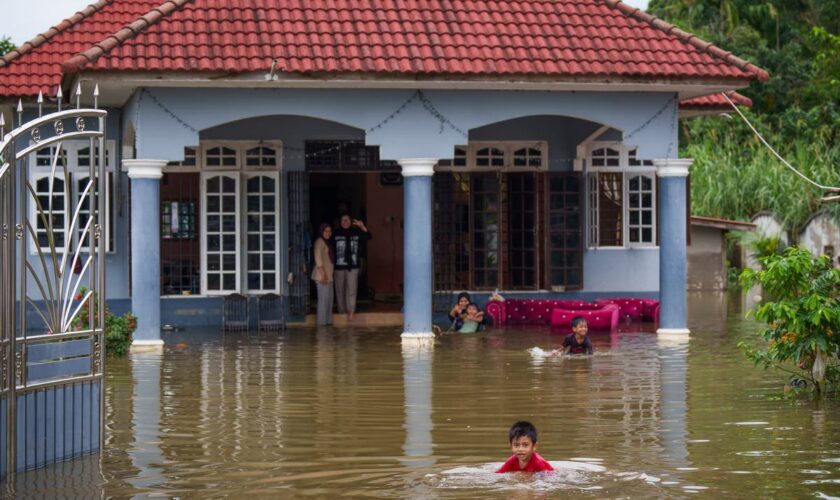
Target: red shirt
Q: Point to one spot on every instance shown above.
(536, 464)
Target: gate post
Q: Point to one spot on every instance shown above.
(145, 250)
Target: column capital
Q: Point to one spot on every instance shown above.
(144, 169)
(672, 167)
(417, 167)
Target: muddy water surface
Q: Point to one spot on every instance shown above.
(355, 413)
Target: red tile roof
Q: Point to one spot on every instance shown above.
(36, 65)
(475, 38)
(715, 101)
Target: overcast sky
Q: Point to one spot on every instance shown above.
(23, 19)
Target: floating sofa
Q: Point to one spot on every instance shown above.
(601, 314)
(556, 313)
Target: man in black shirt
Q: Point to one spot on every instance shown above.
(348, 241)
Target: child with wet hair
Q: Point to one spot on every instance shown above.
(523, 444)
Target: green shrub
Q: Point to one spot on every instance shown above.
(802, 336)
(118, 329)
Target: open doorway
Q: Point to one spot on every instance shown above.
(377, 199)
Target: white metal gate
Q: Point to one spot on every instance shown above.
(51, 334)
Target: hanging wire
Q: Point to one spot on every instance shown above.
(777, 155)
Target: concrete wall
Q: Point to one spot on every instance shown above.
(411, 131)
(822, 236)
(706, 259)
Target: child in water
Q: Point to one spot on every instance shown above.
(472, 319)
(576, 342)
(523, 444)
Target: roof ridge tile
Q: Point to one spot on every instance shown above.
(689, 38)
(46, 36)
(128, 32)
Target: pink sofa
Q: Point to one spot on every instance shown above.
(635, 309)
(552, 312)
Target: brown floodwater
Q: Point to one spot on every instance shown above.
(357, 413)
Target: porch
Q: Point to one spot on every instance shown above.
(527, 192)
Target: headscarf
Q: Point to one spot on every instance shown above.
(330, 246)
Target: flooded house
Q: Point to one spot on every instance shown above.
(527, 147)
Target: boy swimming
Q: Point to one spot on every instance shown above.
(576, 342)
(523, 444)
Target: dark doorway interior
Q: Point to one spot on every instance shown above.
(376, 198)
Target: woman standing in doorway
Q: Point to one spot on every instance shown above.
(348, 241)
(323, 273)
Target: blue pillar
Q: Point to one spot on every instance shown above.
(417, 262)
(145, 249)
(672, 245)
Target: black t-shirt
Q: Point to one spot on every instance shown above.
(348, 247)
(583, 348)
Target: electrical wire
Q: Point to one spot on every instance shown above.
(777, 155)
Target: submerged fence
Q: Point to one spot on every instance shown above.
(52, 268)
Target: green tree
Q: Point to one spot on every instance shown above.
(802, 335)
(6, 45)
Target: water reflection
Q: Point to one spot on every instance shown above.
(144, 451)
(417, 378)
(358, 413)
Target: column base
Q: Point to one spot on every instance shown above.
(147, 345)
(682, 332)
(417, 336)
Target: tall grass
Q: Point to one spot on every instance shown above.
(734, 176)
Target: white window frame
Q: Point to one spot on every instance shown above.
(76, 173)
(626, 153)
(507, 148)
(237, 233)
(277, 285)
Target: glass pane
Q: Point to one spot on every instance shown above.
(647, 200)
(647, 217)
(253, 261)
(213, 204)
(253, 223)
(634, 235)
(229, 223)
(254, 281)
(229, 243)
(268, 182)
(268, 262)
(213, 262)
(253, 182)
(634, 183)
(213, 243)
(212, 223)
(229, 204)
(228, 185)
(229, 262)
(634, 217)
(253, 242)
(268, 222)
(647, 235)
(268, 203)
(229, 281)
(269, 281)
(213, 281)
(253, 203)
(213, 185)
(268, 243)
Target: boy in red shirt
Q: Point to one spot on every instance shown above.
(523, 444)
